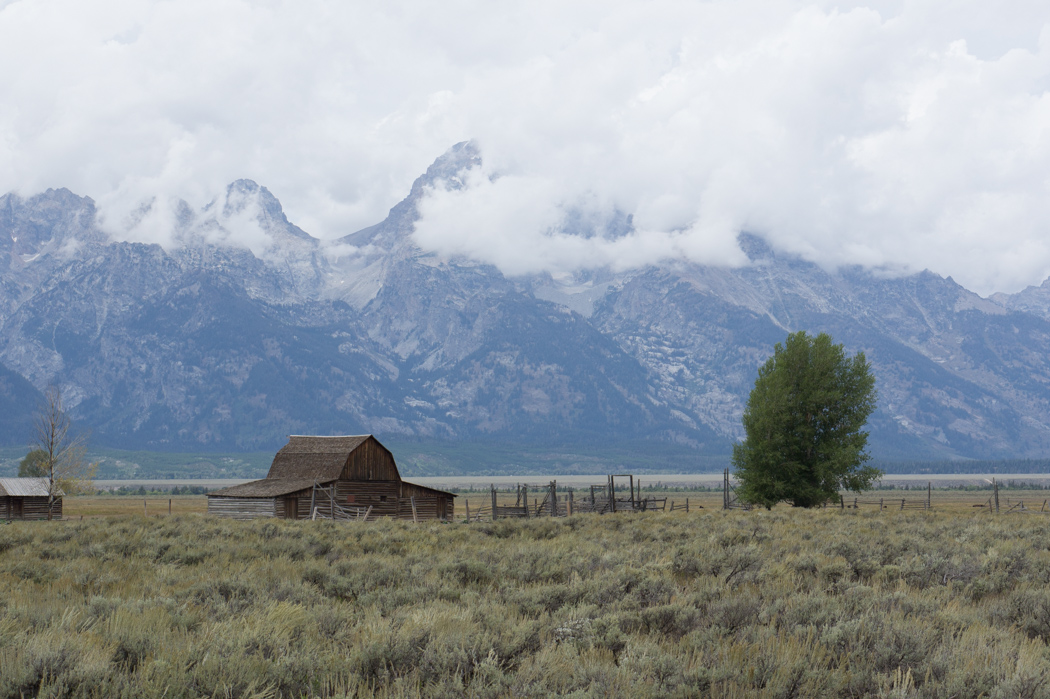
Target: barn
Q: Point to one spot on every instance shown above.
(26, 498)
(350, 472)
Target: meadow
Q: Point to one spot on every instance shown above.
(780, 603)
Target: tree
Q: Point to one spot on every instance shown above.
(804, 425)
(33, 465)
(64, 465)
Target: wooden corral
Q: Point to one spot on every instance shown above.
(26, 498)
(325, 477)
(544, 500)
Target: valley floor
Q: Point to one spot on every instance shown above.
(783, 603)
(955, 501)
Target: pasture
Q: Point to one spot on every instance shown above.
(778, 604)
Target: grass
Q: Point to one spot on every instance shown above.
(107, 506)
(952, 500)
(770, 604)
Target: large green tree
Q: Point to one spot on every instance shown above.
(34, 465)
(804, 425)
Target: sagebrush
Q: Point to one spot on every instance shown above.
(777, 604)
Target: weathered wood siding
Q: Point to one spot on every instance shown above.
(370, 462)
(381, 496)
(242, 508)
(287, 506)
(390, 498)
(427, 508)
(430, 503)
(386, 498)
(31, 508)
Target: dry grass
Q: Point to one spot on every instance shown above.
(955, 501)
(769, 604)
(88, 506)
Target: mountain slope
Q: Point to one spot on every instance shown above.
(242, 329)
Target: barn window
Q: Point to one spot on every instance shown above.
(382, 498)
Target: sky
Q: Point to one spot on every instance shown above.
(896, 135)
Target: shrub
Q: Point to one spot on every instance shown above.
(762, 603)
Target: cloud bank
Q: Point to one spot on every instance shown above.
(900, 135)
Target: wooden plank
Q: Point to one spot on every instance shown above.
(242, 508)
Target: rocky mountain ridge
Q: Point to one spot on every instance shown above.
(243, 329)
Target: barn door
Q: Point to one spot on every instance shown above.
(291, 507)
(16, 508)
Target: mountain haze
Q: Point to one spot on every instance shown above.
(242, 329)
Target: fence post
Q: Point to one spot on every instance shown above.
(880, 504)
(854, 503)
(842, 502)
(995, 489)
(493, 489)
(412, 500)
(687, 505)
(902, 503)
(169, 507)
(467, 501)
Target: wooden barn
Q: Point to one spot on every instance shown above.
(332, 474)
(26, 498)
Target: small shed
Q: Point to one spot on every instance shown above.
(26, 498)
(350, 471)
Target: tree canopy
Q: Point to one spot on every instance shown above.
(34, 465)
(804, 425)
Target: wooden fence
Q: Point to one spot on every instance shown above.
(993, 504)
(544, 500)
(730, 500)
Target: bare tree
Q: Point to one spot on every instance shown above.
(65, 468)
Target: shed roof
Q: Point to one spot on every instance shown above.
(316, 458)
(264, 488)
(25, 487)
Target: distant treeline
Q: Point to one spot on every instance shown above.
(143, 491)
(988, 466)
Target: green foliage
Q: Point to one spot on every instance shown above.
(767, 604)
(804, 425)
(34, 465)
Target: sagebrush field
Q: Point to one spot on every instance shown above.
(778, 604)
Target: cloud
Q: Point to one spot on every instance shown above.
(904, 135)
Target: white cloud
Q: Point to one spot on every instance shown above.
(901, 134)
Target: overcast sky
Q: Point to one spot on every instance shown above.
(899, 135)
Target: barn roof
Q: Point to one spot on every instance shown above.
(306, 460)
(316, 458)
(265, 488)
(25, 487)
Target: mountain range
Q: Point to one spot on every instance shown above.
(242, 328)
